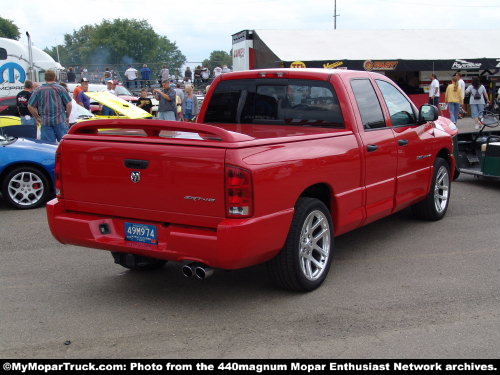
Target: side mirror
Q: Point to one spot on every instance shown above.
(428, 113)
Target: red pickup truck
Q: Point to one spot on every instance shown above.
(279, 162)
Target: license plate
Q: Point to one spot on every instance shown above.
(141, 233)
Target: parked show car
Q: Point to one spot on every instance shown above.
(26, 171)
(279, 163)
(121, 107)
(11, 126)
(120, 91)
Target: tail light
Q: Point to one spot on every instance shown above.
(58, 175)
(239, 192)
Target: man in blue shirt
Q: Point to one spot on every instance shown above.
(81, 98)
(145, 75)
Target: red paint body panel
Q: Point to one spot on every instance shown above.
(283, 161)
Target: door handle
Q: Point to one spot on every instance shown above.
(372, 148)
(403, 142)
(136, 164)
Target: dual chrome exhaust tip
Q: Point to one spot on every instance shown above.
(197, 270)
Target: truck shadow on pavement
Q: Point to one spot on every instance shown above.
(168, 285)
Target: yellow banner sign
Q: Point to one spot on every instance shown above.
(297, 64)
(333, 65)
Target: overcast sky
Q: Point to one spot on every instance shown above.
(200, 26)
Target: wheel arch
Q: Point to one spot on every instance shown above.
(445, 154)
(324, 192)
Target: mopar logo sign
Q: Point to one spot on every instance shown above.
(10, 70)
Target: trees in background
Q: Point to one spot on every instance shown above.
(8, 29)
(218, 58)
(118, 42)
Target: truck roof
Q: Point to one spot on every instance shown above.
(296, 73)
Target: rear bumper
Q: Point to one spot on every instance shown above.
(234, 243)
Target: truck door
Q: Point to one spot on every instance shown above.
(379, 150)
(413, 144)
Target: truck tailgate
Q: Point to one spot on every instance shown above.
(100, 171)
(103, 174)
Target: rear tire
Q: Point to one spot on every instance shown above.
(137, 262)
(303, 263)
(435, 205)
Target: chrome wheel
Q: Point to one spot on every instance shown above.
(441, 189)
(26, 188)
(314, 245)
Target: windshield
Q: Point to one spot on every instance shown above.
(78, 112)
(120, 90)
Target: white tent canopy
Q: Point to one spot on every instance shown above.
(317, 45)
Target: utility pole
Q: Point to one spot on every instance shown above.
(335, 15)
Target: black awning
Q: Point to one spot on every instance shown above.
(398, 65)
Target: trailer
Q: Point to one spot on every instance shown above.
(19, 62)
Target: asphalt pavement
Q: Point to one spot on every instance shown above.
(397, 288)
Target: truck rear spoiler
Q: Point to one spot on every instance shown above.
(153, 128)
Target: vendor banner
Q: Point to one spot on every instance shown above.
(398, 65)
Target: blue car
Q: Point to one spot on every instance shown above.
(26, 171)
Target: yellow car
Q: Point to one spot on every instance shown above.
(9, 121)
(122, 108)
(11, 126)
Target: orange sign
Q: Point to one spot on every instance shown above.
(380, 65)
(297, 64)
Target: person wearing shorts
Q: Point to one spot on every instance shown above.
(478, 99)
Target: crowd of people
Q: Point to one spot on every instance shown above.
(145, 77)
(50, 104)
(457, 97)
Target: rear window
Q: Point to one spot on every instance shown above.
(275, 102)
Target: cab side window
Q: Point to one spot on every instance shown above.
(3, 54)
(400, 108)
(368, 104)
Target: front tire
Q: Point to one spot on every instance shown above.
(25, 188)
(435, 205)
(137, 262)
(304, 262)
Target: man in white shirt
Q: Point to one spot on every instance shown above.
(110, 86)
(131, 76)
(461, 84)
(217, 71)
(434, 93)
